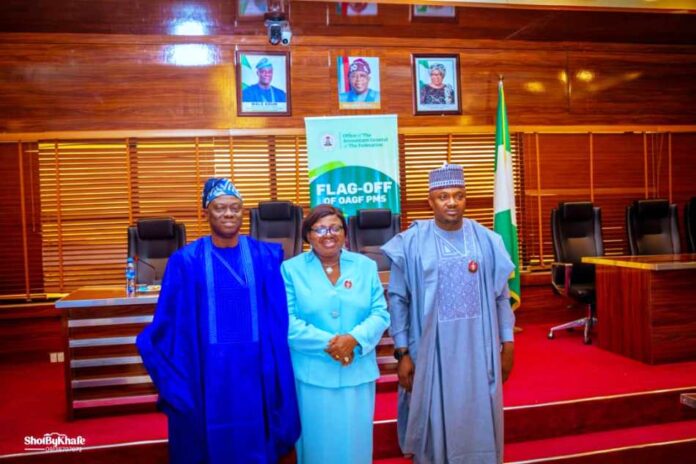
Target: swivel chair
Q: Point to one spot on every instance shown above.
(577, 231)
(278, 222)
(690, 224)
(369, 229)
(151, 242)
(652, 228)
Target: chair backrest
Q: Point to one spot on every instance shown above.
(278, 222)
(690, 224)
(369, 229)
(576, 230)
(151, 242)
(652, 227)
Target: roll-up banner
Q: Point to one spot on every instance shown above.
(353, 162)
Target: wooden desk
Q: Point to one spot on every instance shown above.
(103, 370)
(646, 306)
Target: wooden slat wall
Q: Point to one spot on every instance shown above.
(611, 170)
(116, 72)
(120, 181)
(20, 209)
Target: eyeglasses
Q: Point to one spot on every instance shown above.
(322, 231)
(220, 210)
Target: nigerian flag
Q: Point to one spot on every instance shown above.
(505, 219)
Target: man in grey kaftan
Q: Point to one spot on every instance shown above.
(452, 326)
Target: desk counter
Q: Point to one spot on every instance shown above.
(645, 306)
(104, 373)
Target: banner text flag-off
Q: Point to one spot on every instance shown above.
(353, 162)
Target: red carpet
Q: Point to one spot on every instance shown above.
(564, 369)
(545, 371)
(569, 445)
(34, 404)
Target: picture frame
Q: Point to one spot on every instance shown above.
(263, 83)
(252, 9)
(433, 93)
(358, 80)
(433, 13)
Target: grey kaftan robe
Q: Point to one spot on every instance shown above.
(453, 321)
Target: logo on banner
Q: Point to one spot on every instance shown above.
(327, 142)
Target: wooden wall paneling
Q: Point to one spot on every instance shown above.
(22, 270)
(534, 90)
(387, 16)
(220, 17)
(529, 240)
(93, 87)
(564, 164)
(683, 168)
(659, 164)
(116, 17)
(682, 177)
(313, 72)
(71, 83)
(29, 331)
(619, 176)
(606, 84)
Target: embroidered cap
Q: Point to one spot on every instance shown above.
(264, 63)
(217, 187)
(449, 175)
(359, 65)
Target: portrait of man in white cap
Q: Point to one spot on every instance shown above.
(258, 74)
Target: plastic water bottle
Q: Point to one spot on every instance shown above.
(130, 277)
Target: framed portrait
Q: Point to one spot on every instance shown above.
(433, 13)
(252, 8)
(436, 87)
(263, 83)
(358, 83)
(356, 9)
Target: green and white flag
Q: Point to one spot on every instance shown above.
(505, 219)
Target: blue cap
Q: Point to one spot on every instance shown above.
(217, 187)
(449, 175)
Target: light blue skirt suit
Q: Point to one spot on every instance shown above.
(336, 402)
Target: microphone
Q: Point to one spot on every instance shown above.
(156, 280)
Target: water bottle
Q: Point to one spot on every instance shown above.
(130, 277)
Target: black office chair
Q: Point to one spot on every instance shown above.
(576, 229)
(369, 229)
(278, 222)
(652, 228)
(150, 243)
(690, 224)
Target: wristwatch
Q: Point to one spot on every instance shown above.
(400, 353)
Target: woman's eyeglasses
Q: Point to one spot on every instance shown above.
(322, 231)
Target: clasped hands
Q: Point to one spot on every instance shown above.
(341, 347)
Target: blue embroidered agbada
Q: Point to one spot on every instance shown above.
(449, 304)
(217, 350)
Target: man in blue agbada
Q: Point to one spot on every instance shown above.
(452, 326)
(217, 349)
(263, 91)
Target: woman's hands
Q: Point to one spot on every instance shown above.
(341, 347)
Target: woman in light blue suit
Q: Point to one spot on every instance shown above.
(337, 317)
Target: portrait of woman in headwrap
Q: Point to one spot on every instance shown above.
(436, 92)
(436, 84)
